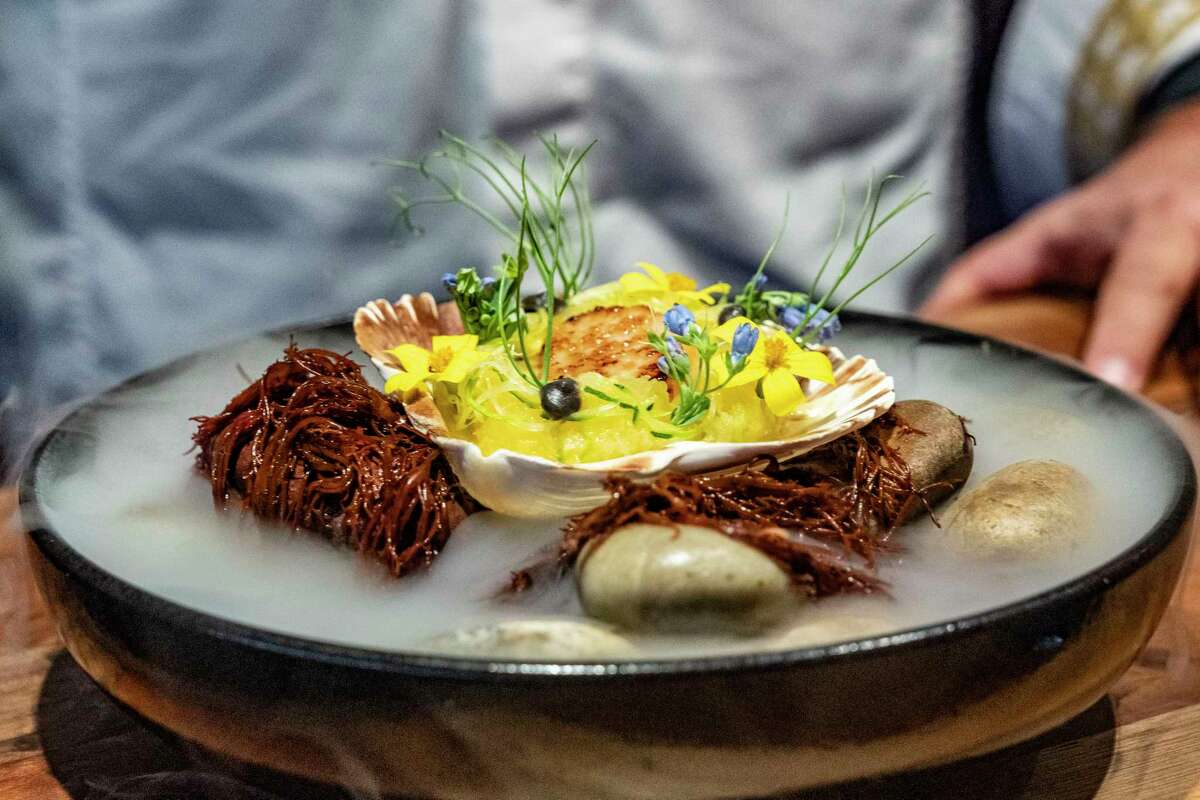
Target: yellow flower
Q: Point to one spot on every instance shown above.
(450, 360)
(680, 287)
(778, 361)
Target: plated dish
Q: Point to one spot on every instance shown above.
(918, 545)
(713, 462)
(276, 647)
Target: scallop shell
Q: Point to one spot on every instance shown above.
(528, 486)
(380, 326)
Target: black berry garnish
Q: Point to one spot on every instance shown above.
(533, 302)
(560, 398)
(729, 312)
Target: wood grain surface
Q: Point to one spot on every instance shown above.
(1141, 743)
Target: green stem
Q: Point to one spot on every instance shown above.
(873, 224)
(837, 309)
(723, 383)
(456, 195)
(837, 238)
(762, 265)
(503, 289)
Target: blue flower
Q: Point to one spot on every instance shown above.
(824, 323)
(679, 320)
(488, 281)
(760, 282)
(744, 339)
(674, 357)
(827, 325)
(450, 281)
(791, 318)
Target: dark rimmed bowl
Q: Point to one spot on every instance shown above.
(728, 726)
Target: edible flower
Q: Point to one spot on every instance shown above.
(679, 320)
(745, 337)
(655, 281)
(822, 326)
(674, 355)
(778, 362)
(450, 359)
(791, 318)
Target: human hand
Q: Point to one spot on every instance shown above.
(1132, 233)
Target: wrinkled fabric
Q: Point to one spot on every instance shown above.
(1036, 72)
(175, 174)
(1028, 114)
(181, 172)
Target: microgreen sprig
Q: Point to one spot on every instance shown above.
(551, 218)
(506, 304)
(811, 320)
(757, 302)
(695, 381)
(553, 234)
(870, 222)
(475, 298)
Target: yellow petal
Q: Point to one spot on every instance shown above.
(460, 366)
(656, 275)
(727, 328)
(414, 359)
(457, 344)
(635, 282)
(752, 372)
(782, 392)
(717, 288)
(784, 347)
(810, 364)
(402, 382)
(678, 282)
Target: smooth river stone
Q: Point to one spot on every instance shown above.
(829, 629)
(938, 451)
(1031, 508)
(683, 579)
(536, 640)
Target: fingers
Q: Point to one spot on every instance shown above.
(1057, 244)
(1006, 262)
(1153, 273)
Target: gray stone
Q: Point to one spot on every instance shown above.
(937, 450)
(828, 629)
(683, 579)
(1031, 508)
(536, 640)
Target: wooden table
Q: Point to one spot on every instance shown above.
(1141, 743)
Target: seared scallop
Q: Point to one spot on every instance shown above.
(610, 341)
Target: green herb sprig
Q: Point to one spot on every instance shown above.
(507, 301)
(475, 299)
(695, 381)
(757, 302)
(553, 232)
(551, 223)
(762, 305)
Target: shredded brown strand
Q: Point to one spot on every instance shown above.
(810, 514)
(313, 445)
